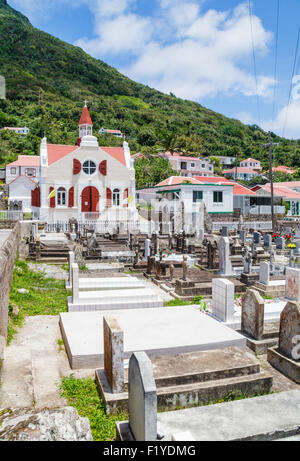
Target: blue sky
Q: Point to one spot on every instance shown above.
(196, 49)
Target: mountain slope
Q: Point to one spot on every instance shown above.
(47, 81)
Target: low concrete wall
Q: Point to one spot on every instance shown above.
(8, 254)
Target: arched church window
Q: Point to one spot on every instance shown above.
(89, 167)
(116, 197)
(61, 196)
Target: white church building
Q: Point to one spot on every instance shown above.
(85, 181)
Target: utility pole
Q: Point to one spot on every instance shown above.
(270, 145)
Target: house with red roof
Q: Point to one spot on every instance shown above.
(116, 133)
(192, 194)
(17, 130)
(241, 173)
(189, 166)
(252, 164)
(83, 181)
(282, 195)
(282, 169)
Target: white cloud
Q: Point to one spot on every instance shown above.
(286, 122)
(208, 59)
(180, 47)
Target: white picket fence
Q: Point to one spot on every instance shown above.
(8, 215)
(257, 225)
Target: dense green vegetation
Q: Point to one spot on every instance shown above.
(43, 296)
(83, 395)
(48, 80)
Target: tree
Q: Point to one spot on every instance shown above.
(217, 164)
(152, 171)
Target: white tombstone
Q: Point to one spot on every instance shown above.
(71, 262)
(142, 398)
(264, 273)
(223, 299)
(225, 266)
(147, 249)
(292, 287)
(75, 283)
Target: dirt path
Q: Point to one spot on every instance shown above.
(34, 365)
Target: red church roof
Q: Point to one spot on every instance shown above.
(85, 118)
(115, 152)
(58, 151)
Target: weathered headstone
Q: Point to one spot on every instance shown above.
(289, 329)
(75, 283)
(171, 272)
(223, 299)
(247, 261)
(142, 398)
(280, 243)
(224, 231)
(225, 266)
(267, 241)
(253, 312)
(264, 273)
(243, 235)
(113, 338)
(256, 237)
(184, 268)
(292, 287)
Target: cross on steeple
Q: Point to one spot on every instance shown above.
(85, 103)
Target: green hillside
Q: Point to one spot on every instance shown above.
(48, 80)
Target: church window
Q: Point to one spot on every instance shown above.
(61, 196)
(116, 197)
(89, 167)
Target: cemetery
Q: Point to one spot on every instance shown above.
(165, 321)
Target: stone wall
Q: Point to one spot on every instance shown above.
(8, 254)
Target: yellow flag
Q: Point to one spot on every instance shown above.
(52, 194)
(130, 198)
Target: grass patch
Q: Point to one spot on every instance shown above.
(46, 296)
(83, 268)
(83, 395)
(65, 267)
(179, 302)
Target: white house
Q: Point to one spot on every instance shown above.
(22, 176)
(189, 166)
(241, 173)
(22, 130)
(116, 133)
(252, 164)
(217, 196)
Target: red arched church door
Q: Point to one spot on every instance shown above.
(90, 200)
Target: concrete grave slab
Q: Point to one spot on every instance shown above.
(167, 331)
(269, 417)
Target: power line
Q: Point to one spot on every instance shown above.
(254, 62)
(276, 63)
(291, 84)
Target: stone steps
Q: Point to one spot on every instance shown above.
(110, 283)
(133, 298)
(202, 393)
